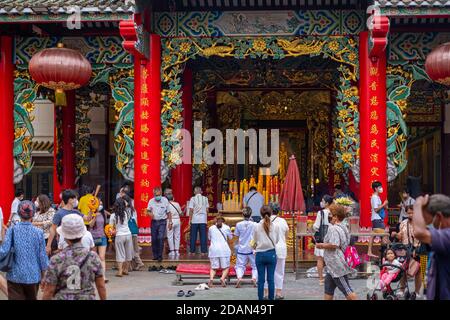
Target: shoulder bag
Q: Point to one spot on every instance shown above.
(277, 248)
(414, 265)
(6, 263)
(323, 229)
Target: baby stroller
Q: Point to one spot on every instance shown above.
(390, 291)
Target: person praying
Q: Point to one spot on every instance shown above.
(244, 250)
(219, 250)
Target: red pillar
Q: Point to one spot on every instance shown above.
(182, 174)
(147, 121)
(69, 129)
(68, 148)
(56, 184)
(372, 126)
(6, 125)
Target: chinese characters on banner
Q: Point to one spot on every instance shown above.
(372, 124)
(143, 189)
(377, 125)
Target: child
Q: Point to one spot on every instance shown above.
(219, 250)
(244, 251)
(379, 210)
(388, 273)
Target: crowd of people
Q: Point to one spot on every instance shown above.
(61, 248)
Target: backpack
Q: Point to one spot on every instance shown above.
(323, 229)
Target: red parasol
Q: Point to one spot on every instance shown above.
(291, 198)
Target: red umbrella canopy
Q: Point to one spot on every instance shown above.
(291, 198)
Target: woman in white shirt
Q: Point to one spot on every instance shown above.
(219, 250)
(266, 236)
(327, 200)
(281, 249)
(124, 240)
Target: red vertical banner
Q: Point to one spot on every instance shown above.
(373, 153)
(6, 125)
(147, 139)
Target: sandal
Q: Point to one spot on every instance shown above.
(238, 284)
(223, 282)
(180, 293)
(190, 294)
(211, 284)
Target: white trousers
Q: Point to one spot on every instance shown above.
(173, 236)
(279, 274)
(241, 263)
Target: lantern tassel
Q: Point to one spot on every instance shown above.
(60, 98)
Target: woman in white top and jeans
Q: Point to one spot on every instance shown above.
(281, 249)
(327, 200)
(266, 235)
(124, 240)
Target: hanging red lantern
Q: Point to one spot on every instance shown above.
(60, 69)
(437, 64)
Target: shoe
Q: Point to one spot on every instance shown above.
(400, 293)
(180, 293)
(279, 298)
(152, 268)
(190, 294)
(160, 259)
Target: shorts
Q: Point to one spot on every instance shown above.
(341, 283)
(378, 224)
(220, 263)
(101, 242)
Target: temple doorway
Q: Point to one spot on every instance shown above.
(294, 95)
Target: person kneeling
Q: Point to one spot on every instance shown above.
(219, 250)
(244, 251)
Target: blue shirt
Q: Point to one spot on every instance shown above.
(61, 213)
(30, 257)
(439, 274)
(255, 201)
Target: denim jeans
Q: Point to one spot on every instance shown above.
(158, 235)
(195, 228)
(266, 260)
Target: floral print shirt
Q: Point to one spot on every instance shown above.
(47, 219)
(73, 271)
(30, 259)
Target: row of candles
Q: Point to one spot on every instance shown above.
(233, 200)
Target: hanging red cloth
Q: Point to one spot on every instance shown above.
(291, 198)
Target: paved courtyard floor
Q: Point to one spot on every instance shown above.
(144, 285)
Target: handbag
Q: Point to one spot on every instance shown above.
(323, 229)
(6, 263)
(381, 213)
(413, 267)
(132, 225)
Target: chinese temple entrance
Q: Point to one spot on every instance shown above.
(294, 95)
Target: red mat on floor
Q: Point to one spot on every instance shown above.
(186, 268)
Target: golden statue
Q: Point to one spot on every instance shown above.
(284, 161)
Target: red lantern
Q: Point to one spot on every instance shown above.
(437, 64)
(60, 69)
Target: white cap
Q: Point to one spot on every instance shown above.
(72, 227)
